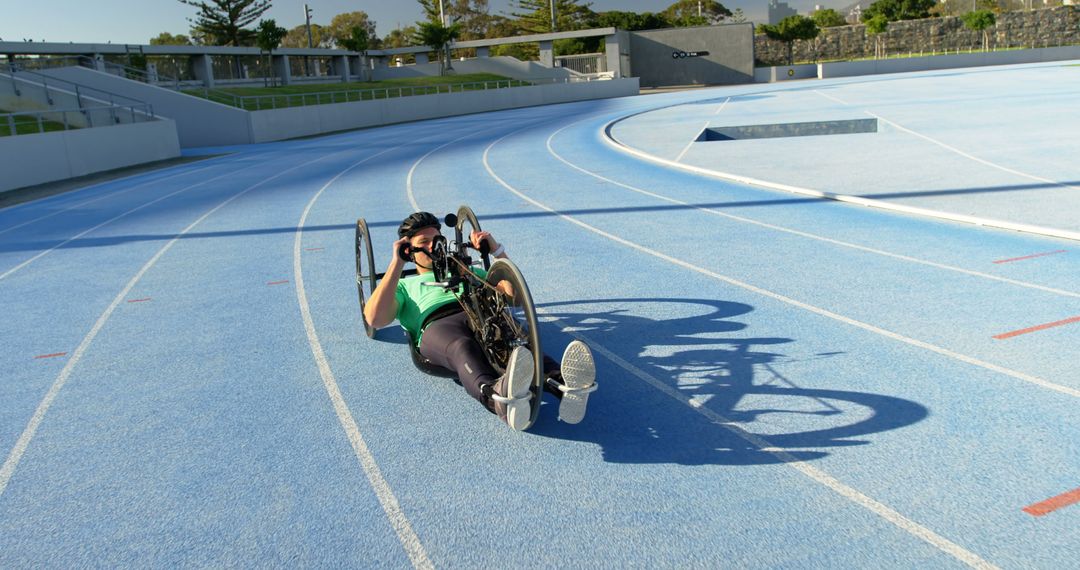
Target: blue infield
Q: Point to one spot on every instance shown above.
(785, 380)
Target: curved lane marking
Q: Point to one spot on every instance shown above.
(714, 212)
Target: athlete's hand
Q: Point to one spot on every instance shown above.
(402, 242)
(477, 237)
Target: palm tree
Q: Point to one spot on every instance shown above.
(437, 37)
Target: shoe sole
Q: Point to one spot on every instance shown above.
(578, 372)
(519, 380)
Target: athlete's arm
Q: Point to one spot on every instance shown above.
(382, 309)
(476, 238)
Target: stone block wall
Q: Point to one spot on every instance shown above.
(1035, 28)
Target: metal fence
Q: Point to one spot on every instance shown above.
(34, 122)
(585, 63)
(265, 102)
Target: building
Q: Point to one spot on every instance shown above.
(778, 11)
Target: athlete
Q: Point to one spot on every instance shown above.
(434, 319)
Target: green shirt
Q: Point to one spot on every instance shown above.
(415, 301)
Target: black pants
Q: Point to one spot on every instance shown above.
(449, 343)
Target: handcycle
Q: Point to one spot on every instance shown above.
(499, 307)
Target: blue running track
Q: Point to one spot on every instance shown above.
(785, 380)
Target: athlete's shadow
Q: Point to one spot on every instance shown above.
(689, 390)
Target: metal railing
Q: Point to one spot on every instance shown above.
(51, 85)
(268, 102)
(35, 122)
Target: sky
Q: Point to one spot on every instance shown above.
(136, 21)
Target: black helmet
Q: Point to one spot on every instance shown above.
(416, 222)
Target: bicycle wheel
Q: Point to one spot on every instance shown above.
(510, 322)
(365, 270)
(466, 224)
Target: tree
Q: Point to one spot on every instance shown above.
(268, 36)
(437, 37)
(167, 39)
(298, 38)
(224, 22)
(686, 13)
(895, 10)
(399, 38)
(358, 41)
(875, 27)
(828, 18)
(789, 29)
(341, 28)
(980, 21)
(534, 16)
(738, 17)
(630, 21)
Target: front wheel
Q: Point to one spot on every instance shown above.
(510, 321)
(365, 270)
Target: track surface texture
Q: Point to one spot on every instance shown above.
(786, 380)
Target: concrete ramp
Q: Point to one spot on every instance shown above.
(198, 122)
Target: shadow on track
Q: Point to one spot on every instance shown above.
(730, 378)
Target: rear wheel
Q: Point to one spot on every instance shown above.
(365, 270)
(509, 322)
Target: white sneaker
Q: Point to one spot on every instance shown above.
(579, 380)
(511, 395)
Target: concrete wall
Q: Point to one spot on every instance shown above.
(900, 65)
(303, 121)
(26, 160)
(1025, 28)
(499, 65)
(198, 122)
(730, 59)
(785, 73)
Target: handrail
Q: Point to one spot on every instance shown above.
(8, 120)
(78, 89)
(266, 102)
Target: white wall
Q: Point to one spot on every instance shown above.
(26, 160)
(303, 121)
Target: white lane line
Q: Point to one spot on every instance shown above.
(824, 239)
(846, 491)
(952, 148)
(692, 141)
(788, 300)
(16, 454)
(111, 220)
(722, 105)
(398, 520)
(99, 198)
(849, 493)
(609, 139)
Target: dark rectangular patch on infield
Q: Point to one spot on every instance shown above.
(781, 130)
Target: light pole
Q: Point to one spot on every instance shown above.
(307, 20)
(552, 3)
(446, 47)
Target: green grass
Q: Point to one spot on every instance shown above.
(26, 125)
(299, 95)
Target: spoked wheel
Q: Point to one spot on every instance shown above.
(466, 224)
(365, 270)
(511, 322)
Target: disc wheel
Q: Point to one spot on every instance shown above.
(511, 322)
(365, 270)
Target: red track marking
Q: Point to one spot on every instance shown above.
(53, 355)
(138, 300)
(277, 282)
(1030, 256)
(314, 248)
(1011, 334)
(1053, 504)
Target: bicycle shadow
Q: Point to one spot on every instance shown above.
(686, 390)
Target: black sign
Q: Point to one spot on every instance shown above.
(683, 54)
